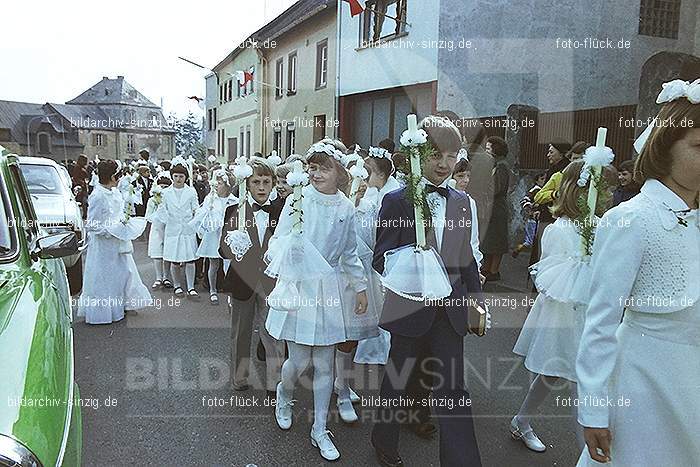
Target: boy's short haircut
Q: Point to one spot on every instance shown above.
(442, 133)
(261, 167)
(627, 166)
(106, 169)
(281, 171)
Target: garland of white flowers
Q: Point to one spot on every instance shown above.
(297, 178)
(415, 143)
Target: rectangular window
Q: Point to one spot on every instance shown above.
(659, 18)
(242, 142)
(322, 64)
(279, 77)
(277, 140)
(251, 83)
(230, 90)
(247, 141)
(383, 19)
(238, 88)
(291, 142)
(221, 94)
(319, 127)
(130, 144)
(44, 143)
(98, 139)
(292, 70)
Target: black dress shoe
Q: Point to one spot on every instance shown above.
(424, 430)
(387, 459)
(260, 351)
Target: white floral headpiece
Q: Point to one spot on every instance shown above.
(670, 91)
(594, 157)
(165, 174)
(379, 152)
(179, 160)
(326, 148)
(462, 154)
(349, 158)
(211, 158)
(219, 174)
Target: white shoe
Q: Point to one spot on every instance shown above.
(346, 411)
(527, 436)
(283, 410)
(323, 442)
(354, 398)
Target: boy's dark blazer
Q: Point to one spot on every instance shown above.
(394, 229)
(244, 275)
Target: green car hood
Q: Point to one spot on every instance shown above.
(36, 362)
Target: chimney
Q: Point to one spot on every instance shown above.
(120, 77)
(105, 77)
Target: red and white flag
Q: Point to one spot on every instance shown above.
(356, 7)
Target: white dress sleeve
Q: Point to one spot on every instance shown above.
(151, 209)
(474, 241)
(617, 255)
(350, 261)
(98, 214)
(284, 227)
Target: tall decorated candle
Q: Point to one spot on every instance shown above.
(296, 179)
(358, 173)
(594, 159)
(412, 136)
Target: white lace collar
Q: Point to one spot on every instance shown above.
(323, 198)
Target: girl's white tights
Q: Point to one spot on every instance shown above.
(343, 367)
(539, 390)
(212, 273)
(321, 357)
(162, 269)
(176, 271)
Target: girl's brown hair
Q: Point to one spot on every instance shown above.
(567, 196)
(324, 160)
(674, 120)
(442, 133)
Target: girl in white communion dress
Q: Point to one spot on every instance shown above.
(639, 360)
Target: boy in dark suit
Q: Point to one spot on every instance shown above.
(427, 337)
(246, 280)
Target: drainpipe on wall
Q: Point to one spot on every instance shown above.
(336, 103)
(263, 100)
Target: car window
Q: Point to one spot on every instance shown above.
(29, 216)
(6, 237)
(43, 179)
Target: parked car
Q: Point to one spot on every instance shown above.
(40, 415)
(56, 208)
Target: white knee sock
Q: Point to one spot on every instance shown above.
(227, 264)
(322, 357)
(343, 366)
(293, 367)
(167, 274)
(538, 392)
(158, 267)
(176, 271)
(189, 274)
(212, 273)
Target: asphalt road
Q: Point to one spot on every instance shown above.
(155, 391)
